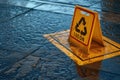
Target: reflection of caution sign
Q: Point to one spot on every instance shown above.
(85, 28)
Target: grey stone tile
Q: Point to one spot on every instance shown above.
(96, 7)
(21, 3)
(111, 6)
(112, 68)
(8, 11)
(24, 66)
(71, 2)
(56, 8)
(9, 57)
(111, 30)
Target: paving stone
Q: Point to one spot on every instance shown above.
(111, 30)
(8, 11)
(75, 2)
(23, 67)
(110, 17)
(111, 6)
(114, 67)
(110, 76)
(22, 33)
(21, 3)
(96, 7)
(8, 58)
(57, 8)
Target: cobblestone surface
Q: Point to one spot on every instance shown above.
(26, 55)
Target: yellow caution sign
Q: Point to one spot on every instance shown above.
(85, 28)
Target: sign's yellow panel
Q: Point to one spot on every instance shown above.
(82, 25)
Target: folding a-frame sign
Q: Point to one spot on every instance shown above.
(85, 28)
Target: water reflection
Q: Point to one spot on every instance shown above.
(102, 70)
(90, 71)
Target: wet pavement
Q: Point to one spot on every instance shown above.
(26, 55)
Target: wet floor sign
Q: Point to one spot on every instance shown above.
(85, 28)
(84, 42)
